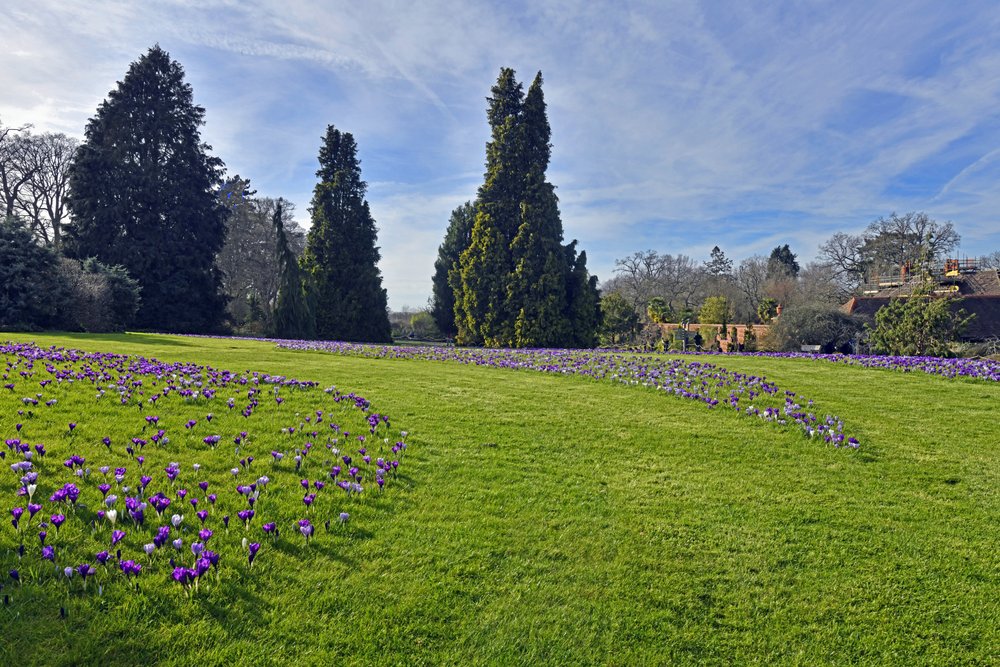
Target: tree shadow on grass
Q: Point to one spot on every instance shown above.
(130, 337)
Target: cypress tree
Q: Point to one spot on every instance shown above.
(481, 281)
(456, 239)
(516, 284)
(341, 257)
(537, 286)
(143, 196)
(293, 318)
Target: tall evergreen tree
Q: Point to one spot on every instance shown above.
(341, 256)
(143, 196)
(456, 240)
(293, 317)
(516, 284)
(781, 263)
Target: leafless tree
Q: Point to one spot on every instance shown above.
(42, 200)
(249, 259)
(751, 279)
(18, 164)
(990, 261)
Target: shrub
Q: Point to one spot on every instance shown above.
(920, 325)
(830, 328)
(96, 297)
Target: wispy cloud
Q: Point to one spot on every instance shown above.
(677, 125)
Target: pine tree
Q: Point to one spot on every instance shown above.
(341, 257)
(456, 239)
(143, 197)
(293, 318)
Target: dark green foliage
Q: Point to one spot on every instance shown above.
(831, 328)
(143, 197)
(658, 310)
(97, 298)
(750, 339)
(30, 286)
(515, 284)
(457, 239)
(767, 309)
(718, 264)
(293, 317)
(619, 320)
(782, 263)
(341, 258)
(921, 325)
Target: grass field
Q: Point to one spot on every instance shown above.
(543, 519)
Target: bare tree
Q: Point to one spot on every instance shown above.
(42, 199)
(844, 253)
(990, 261)
(751, 279)
(643, 276)
(249, 259)
(639, 274)
(18, 163)
(911, 238)
(818, 286)
(681, 282)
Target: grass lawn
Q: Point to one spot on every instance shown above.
(544, 519)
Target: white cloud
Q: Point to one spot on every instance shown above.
(676, 125)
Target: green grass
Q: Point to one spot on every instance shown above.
(558, 520)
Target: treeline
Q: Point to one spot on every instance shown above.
(139, 222)
(650, 288)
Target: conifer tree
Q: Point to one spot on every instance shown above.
(341, 257)
(456, 239)
(143, 196)
(516, 284)
(293, 317)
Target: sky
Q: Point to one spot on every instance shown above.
(676, 126)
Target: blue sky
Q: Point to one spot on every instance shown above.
(676, 126)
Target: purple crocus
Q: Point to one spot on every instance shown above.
(252, 552)
(130, 568)
(116, 536)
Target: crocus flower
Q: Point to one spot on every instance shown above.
(252, 552)
(49, 553)
(116, 536)
(130, 568)
(306, 528)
